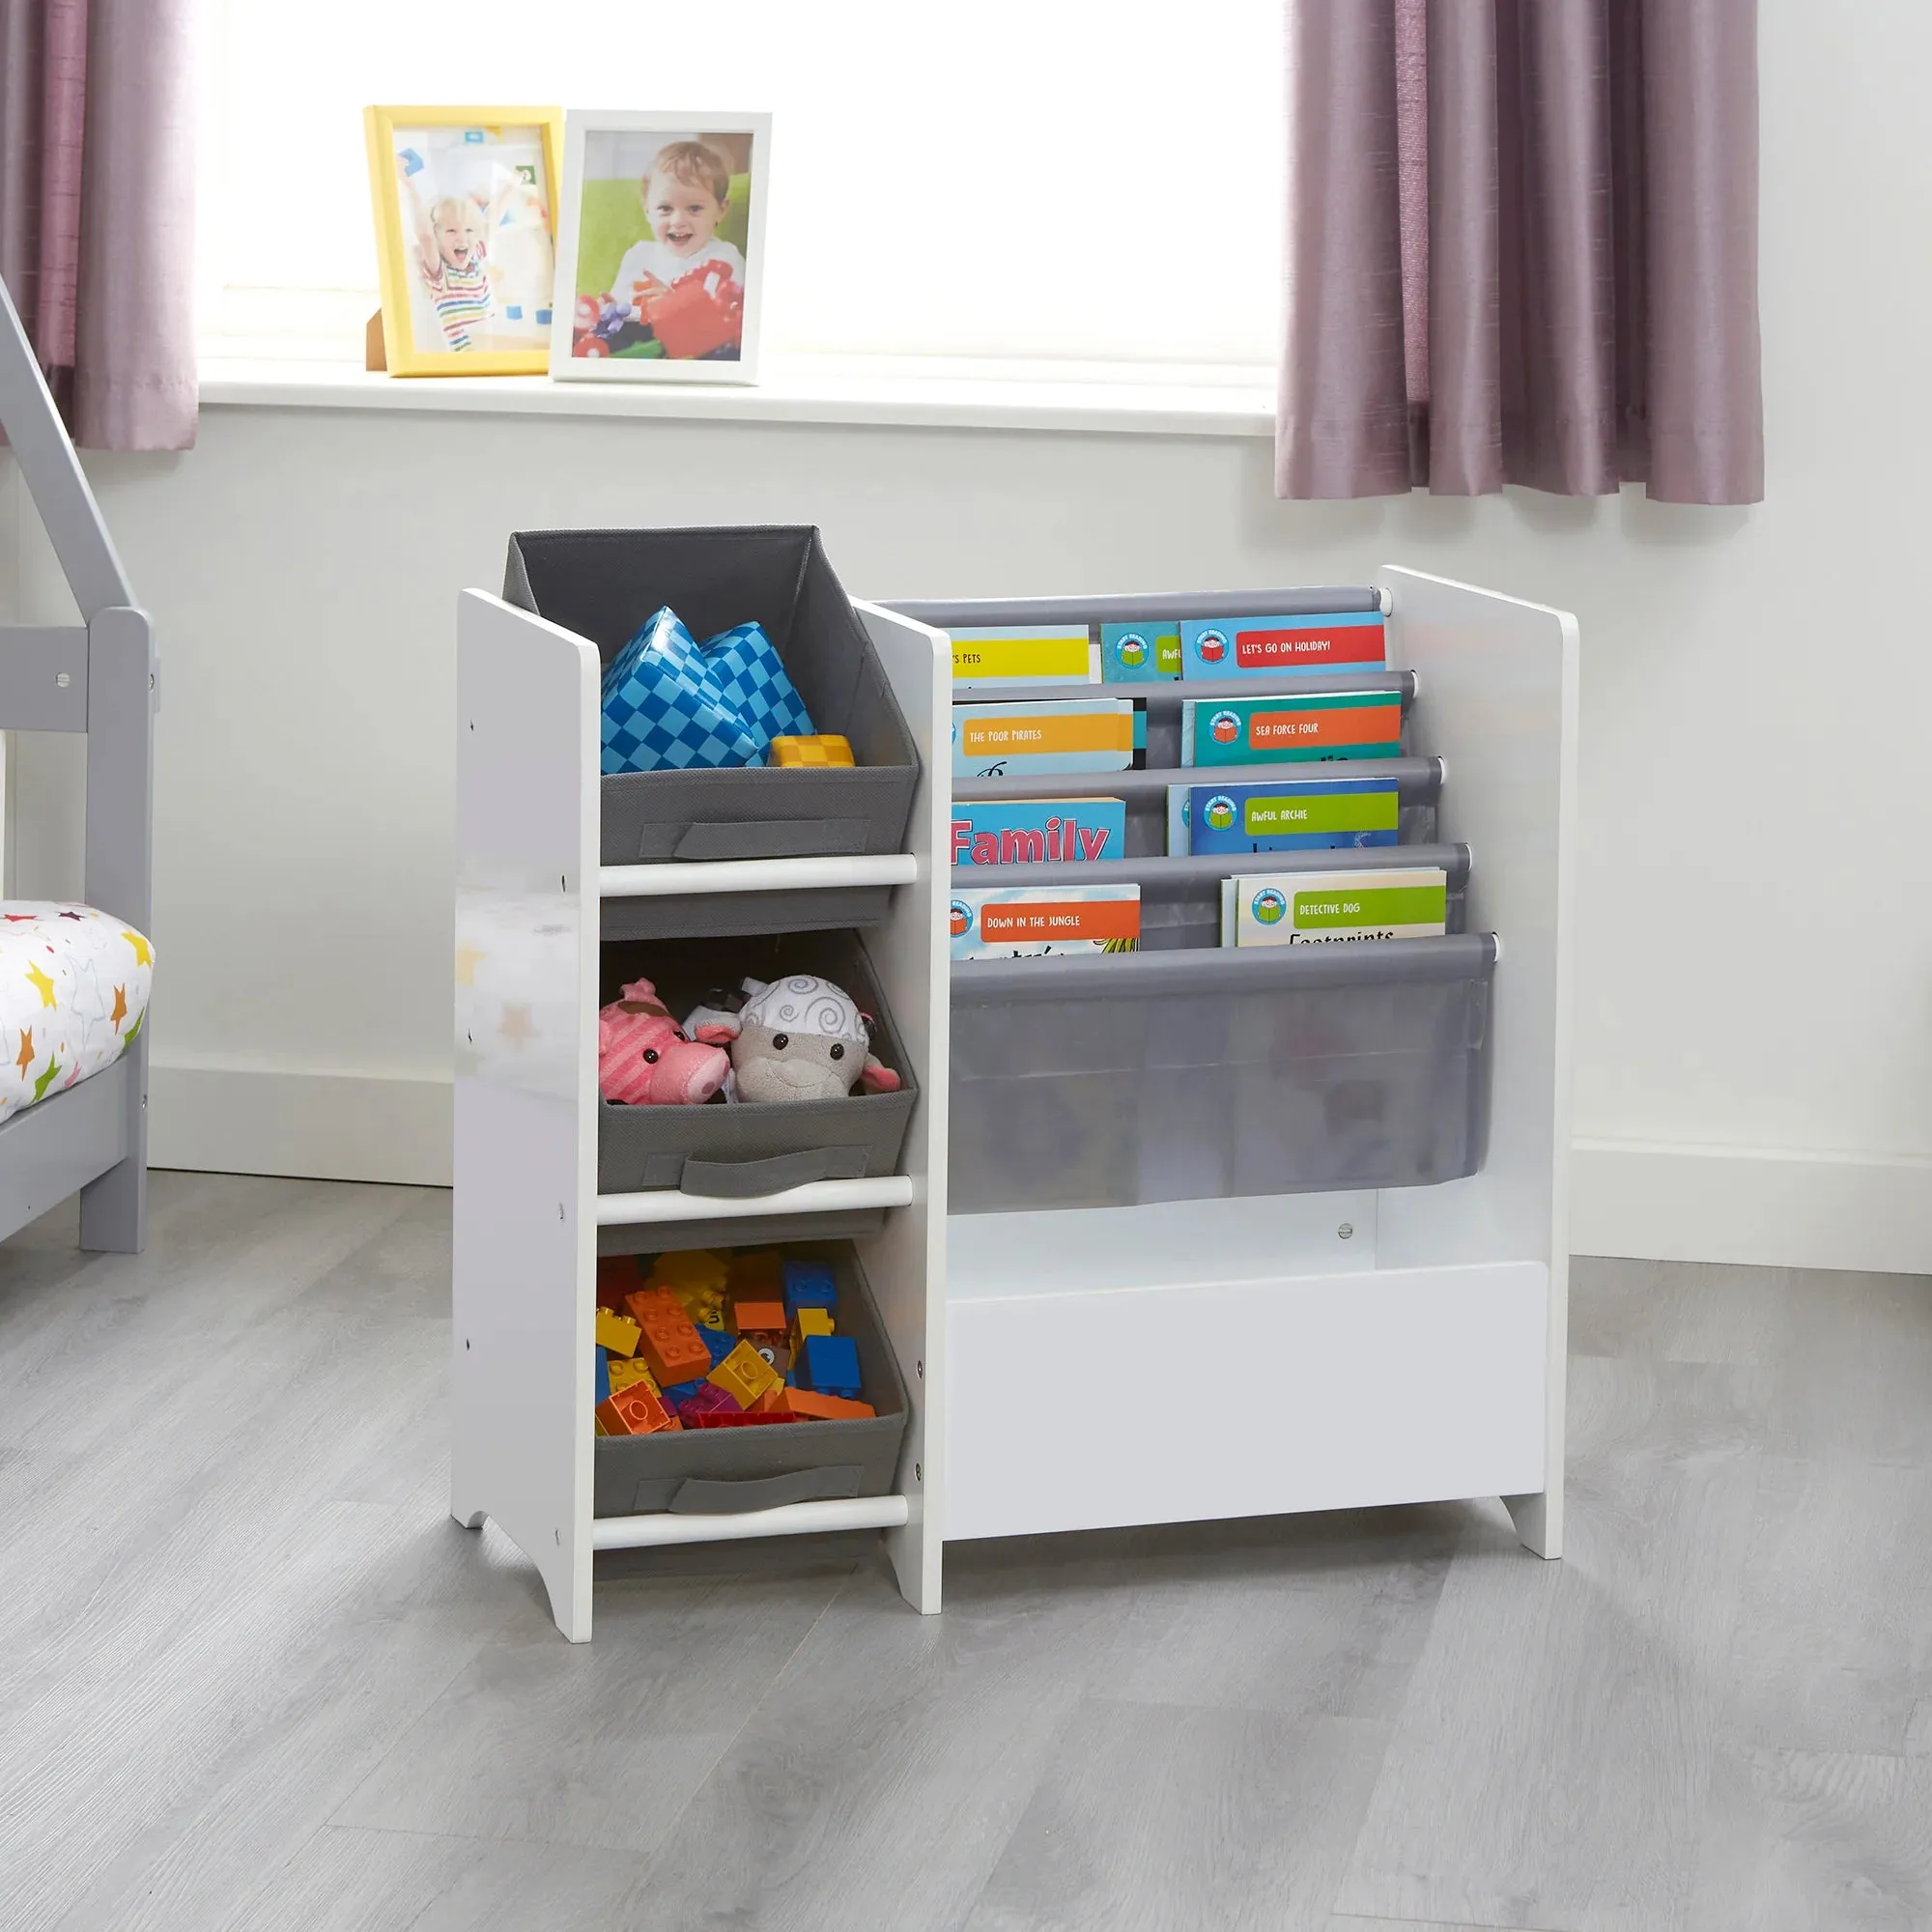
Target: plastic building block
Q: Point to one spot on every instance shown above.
(628, 1375)
(710, 1400)
(616, 1332)
(774, 1401)
(744, 1375)
(807, 1322)
(829, 1365)
(597, 1423)
(670, 1342)
(679, 1393)
(730, 1419)
(759, 1272)
(703, 311)
(718, 1342)
(826, 748)
(635, 1412)
(603, 1377)
(751, 1313)
(617, 1277)
(808, 1285)
(695, 1273)
(814, 1405)
(774, 1347)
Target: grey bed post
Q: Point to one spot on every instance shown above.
(117, 690)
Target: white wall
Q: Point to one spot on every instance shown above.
(1754, 1005)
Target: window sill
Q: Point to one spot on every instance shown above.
(797, 389)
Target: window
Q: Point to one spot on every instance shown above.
(1028, 179)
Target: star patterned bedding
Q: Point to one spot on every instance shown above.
(74, 991)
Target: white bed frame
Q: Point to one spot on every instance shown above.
(1393, 1346)
(98, 678)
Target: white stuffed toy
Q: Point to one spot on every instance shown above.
(800, 1038)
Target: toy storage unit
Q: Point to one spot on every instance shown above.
(1289, 1230)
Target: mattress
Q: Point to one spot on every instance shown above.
(74, 992)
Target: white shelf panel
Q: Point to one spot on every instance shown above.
(672, 880)
(646, 1532)
(819, 1197)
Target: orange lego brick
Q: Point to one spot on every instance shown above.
(744, 1375)
(748, 1316)
(671, 1344)
(809, 1403)
(773, 1400)
(826, 747)
(616, 1332)
(635, 1412)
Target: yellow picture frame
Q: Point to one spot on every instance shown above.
(407, 292)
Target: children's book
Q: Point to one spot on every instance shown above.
(1267, 646)
(1028, 921)
(1290, 729)
(995, 654)
(1290, 815)
(1047, 736)
(1321, 908)
(1139, 653)
(1024, 832)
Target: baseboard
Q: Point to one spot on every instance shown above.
(327, 1127)
(1763, 1207)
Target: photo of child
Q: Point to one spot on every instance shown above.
(476, 215)
(661, 245)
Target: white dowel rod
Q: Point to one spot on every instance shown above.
(754, 876)
(645, 1532)
(818, 1197)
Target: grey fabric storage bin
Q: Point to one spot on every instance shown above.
(1209, 1072)
(726, 1471)
(603, 584)
(814, 1225)
(700, 914)
(736, 1152)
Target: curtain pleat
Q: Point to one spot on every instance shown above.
(1570, 191)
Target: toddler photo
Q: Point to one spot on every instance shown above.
(664, 257)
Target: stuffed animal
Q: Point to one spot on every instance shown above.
(643, 1059)
(800, 1038)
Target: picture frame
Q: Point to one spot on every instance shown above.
(693, 308)
(465, 201)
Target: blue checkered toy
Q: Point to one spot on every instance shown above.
(754, 684)
(664, 709)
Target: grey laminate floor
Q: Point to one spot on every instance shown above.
(251, 1675)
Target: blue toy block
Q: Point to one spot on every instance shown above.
(807, 1284)
(513, 311)
(602, 1375)
(682, 1391)
(716, 1342)
(829, 1365)
(413, 162)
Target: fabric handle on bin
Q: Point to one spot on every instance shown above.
(740, 1180)
(718, 1495)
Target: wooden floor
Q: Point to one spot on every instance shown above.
(253, 1675)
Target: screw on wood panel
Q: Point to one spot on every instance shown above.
(560, 1210)
(919, 1369)
(1346, 1229)
(466, 1340)
(558, 1534)
(918, 1472)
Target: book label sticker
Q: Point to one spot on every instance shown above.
(997, 923)
(1025, 654)
(1266, 646)
(1321, 908)
(1059, 734)
(1287, 730)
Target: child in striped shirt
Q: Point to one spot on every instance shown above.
(450, 253)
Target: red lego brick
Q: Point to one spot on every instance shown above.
(617, 1277)
(739, 1418)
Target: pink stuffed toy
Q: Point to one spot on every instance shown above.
(644, 1059)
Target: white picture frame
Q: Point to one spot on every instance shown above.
(605, 231)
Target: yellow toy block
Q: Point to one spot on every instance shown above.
(616, 1332)
(697, 1277)
(808, 1322)
(828, 748)
(744, 1375)
(623, 1374)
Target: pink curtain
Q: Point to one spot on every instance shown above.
(97, 209)
(1521, 248)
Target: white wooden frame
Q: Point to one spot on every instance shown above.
(578, 123)
(1416, 1336)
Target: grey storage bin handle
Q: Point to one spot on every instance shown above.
(740, 1180)
(765, 839)
(720, 1496)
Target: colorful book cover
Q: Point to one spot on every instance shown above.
(1321, 908)
(1286, 730)
(1139, 653)
(1045, 736)
(1300, 816)
(1267, 646)
(996, 654)
(1027, 832)
(1030, 921)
